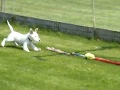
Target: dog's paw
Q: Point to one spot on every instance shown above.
(2, 43)
(37, 49)
(27, 50)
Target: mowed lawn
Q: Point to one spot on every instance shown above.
(46, 70)
(80, 12)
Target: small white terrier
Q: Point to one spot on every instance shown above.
(24, 40)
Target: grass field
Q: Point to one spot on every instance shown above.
(107, 12)
(48, 70)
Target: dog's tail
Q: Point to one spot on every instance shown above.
(11, 28)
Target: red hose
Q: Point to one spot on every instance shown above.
(107, 61)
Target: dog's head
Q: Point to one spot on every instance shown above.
(33, 36)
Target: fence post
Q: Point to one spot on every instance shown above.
(4, 6)
(1, 5)
(93, 11)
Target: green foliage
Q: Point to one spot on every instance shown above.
(48, 70)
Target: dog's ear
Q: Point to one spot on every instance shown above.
(31, 31)
(36, 29)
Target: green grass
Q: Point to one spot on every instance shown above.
(48, 70)
(70, 11)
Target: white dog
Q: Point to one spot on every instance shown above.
(24, 40)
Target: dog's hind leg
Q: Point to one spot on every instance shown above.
(5, 40)
(8, 39)
(16, 44)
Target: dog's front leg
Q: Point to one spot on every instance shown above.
(25, 47)
(34, 47)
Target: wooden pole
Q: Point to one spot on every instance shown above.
(1, 5)
(4, 5)
(93, 9)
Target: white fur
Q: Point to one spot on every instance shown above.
(22, 39)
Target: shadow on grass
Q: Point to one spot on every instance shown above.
(42, 58)
(14, 47)
(100, 48)
(39, 58)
